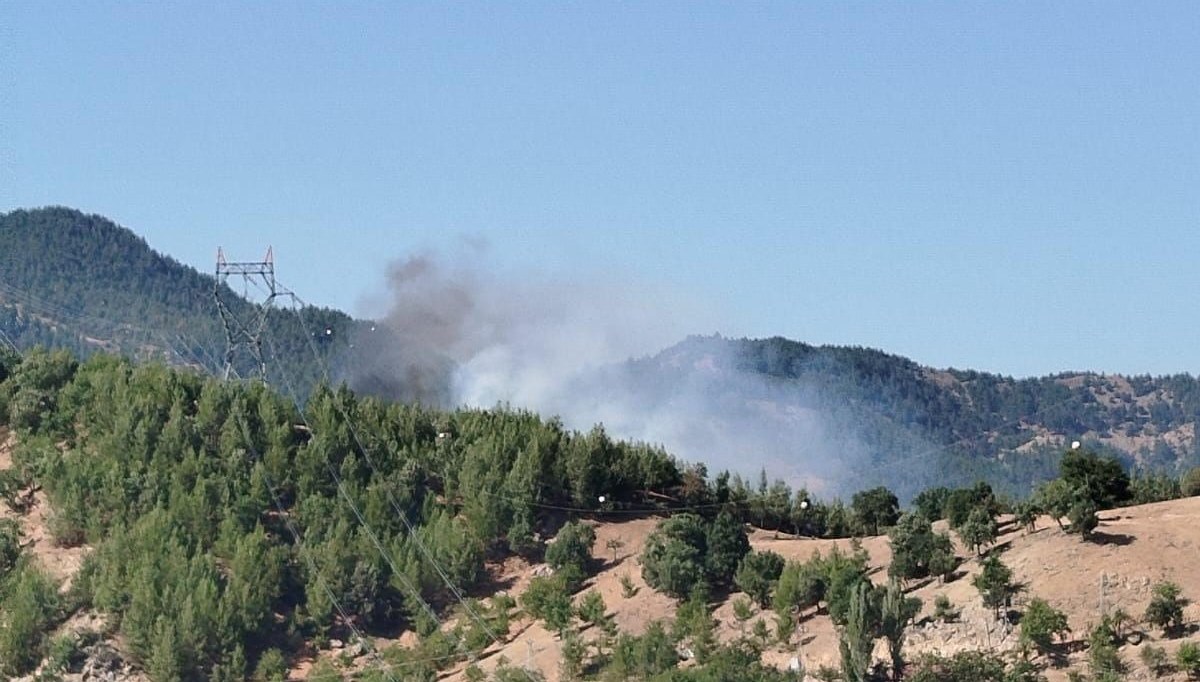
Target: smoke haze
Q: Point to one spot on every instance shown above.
(590, 350)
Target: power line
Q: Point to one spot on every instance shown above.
(301, 547)
(391, 498)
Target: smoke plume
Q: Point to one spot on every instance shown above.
(590, 349)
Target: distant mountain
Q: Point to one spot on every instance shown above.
(838, 418)
(82, 282)
(843, 418)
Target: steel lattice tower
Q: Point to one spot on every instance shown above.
(244, 330)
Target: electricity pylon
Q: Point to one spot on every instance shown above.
(244, 325)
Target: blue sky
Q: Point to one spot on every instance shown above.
(1005, 186)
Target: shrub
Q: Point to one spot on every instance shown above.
(1166, 607)
(1188, 658)
(943, 610)
(1041, 623)
(1156, 660)
(271, 667)
(758, 575)
(571, 550)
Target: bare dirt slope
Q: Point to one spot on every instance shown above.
(62, 563)
(1134, 548)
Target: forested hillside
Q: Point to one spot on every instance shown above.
(890, 421)
(81, 282)
(225, 524)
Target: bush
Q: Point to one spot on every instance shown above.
(1156, 660)
(1188, 658)
(1041, 623)
(1166, 607)
(271, 667)
(758, 574)
(943, 610)
(572, 548)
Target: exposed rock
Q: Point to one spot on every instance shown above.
(104, 664)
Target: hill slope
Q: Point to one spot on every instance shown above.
(1084, 580)
(84, 283)
(844, 418)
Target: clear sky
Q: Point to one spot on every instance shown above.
(1008, 186)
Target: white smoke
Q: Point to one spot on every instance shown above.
(469, 334)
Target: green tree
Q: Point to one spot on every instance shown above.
(758, 574)
(917, 550)
(271, 667)
(1104, 480)
(963, 666)
(644, 657)
(673, 561)
(1165, 610)
(573, 651)
(942, 561)
(1027, 515)
(1041, 623)
(930, 503)
(856, 640)
(1103, 657)
(1056, 498)
(726, 545)
(1082, 516)
(548, 598)
(979, 530)
(895, 611)
(875, 508)
(29, 606)
(994, 583)
(592, 610)
(1189, 483)
(571, 551)
(10, 546)
(800, 586)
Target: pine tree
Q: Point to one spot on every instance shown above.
(896, 611)
(856, 639)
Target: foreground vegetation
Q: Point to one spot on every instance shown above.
(231, 531)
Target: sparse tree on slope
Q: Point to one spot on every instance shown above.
(857, 637)
(875, 508)
(994, 583)
(895, 612)
(1166, 607)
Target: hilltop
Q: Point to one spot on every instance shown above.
(81, 282)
